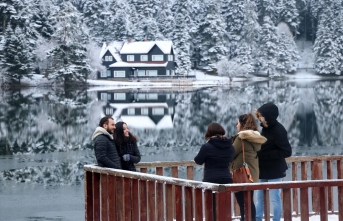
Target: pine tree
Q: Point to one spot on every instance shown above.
(289, 14)
(268, 51)
(99, 19)
(181, 41)
(40, 16)
(325, 46)
(69, 62)
(16, 56)
(165, 22)
(212, 33)
(288, 53)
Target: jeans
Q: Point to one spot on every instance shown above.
(275, 198)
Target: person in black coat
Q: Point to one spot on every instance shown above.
(271, 157)
(127, 147)
(217, 153)
(104, 146)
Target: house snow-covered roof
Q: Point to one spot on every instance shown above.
(145, 46)
(114, 48)
(138, 64)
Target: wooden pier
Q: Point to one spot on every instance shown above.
(156, 193)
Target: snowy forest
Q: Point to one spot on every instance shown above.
(61, 39)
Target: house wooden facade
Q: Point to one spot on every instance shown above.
(148, 59)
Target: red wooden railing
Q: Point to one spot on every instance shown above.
(123, 195)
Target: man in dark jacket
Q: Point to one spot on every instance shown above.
(104, 146)
(271, 157)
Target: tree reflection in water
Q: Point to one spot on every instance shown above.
(170, 124)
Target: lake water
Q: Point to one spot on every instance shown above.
(45, 133)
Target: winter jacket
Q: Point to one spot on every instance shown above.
(129, 147)
(217, 154)
(273, 152)
(252, 143)
(105, 149)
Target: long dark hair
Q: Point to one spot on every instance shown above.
(119, 137)
(214, 129)
(247, 122)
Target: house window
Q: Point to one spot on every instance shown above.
(151, 73)
(152, 96)
(172, 72)
(170, 57)
(157, 57)
(167, 72)
(144, 57)
(109, 111)
(158, 111)
(119, 96)
(171, 110)
(131, 111)
(145, 111)
(119, 74)
(141, 96)
(130, 58)
(103, 96)
(108, 58)
(141, 73)
(108, 73)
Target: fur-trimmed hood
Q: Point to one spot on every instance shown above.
(252, 136)
(101, 130)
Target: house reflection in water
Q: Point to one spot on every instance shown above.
(145, 110)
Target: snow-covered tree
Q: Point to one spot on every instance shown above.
(325, 46)
(41, 16)
(231, 68)
(166, 22)
(182, 42)
(288, 52)
(69, 62)
(99, 19)
(289, 14)
(211, 36)
(16, 56)
(268, 48)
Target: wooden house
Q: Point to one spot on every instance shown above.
(147, 59)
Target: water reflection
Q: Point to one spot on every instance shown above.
(145, 110)
(45, 134)
(170, 124)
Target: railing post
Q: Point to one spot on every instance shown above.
(266, 205)
(88, 196)
(151, 200)
(188, 203)
(96, 196)
(198, 205)
(304, 210)
(143, 201)
(329, 177)
(287, 205)
(104, 197)
(295, 191)
(316, 174)
(224, 200)
(178, 203)
(169, 203)
(208, 198)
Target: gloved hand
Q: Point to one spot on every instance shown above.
(126, 157)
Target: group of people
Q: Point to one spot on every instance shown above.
(114, 145)
(264, 153)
